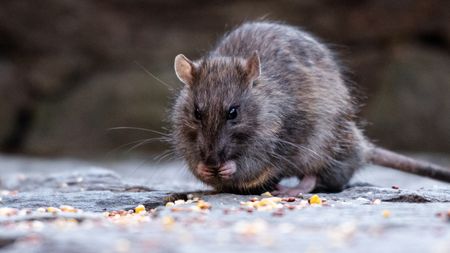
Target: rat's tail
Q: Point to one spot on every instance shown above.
(386, 158)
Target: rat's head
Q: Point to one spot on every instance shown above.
(215, 117)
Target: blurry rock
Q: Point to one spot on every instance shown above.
(57, 73)
(7, 109)
(78, 123)
(90, 190)
(90, 179)
(411, 109)
(12, 99)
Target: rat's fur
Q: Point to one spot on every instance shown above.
(295, 116)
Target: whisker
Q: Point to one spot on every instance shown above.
(166, 154)
(143, 142)
(153, 76)
(138, 128)
(123, 146)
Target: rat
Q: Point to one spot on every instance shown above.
(270, 102)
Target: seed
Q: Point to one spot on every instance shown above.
(203, 205)
(278, 213)
(179, 202)
(168, 221)
(315, 200)
(290, 199)
(139, 209)
(7, 211)
(68, 209)
(266, 194)
(291, 207)
(53, 210)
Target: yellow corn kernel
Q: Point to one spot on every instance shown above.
(72, 220)
(139, 209)
(315, 200)
(68, 209)
(386, 214)
(170, 204)
(203, 205)
(53, 209)
(266, 194)
(168, 221)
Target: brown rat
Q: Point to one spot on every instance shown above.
(270, 102)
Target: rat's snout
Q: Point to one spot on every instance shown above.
(214, 159)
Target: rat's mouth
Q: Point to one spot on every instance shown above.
(224, 172)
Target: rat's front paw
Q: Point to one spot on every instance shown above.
(227, 170)
(204, 173)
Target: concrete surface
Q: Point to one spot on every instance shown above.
(379, 218)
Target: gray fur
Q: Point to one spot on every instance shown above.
(296, 119)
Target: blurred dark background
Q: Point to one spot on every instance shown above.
(71, 69)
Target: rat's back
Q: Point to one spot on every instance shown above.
(279, 46)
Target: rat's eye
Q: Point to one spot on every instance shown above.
(232, 113)
(197, 113)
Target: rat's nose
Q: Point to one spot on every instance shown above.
(212, 161)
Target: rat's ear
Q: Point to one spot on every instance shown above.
(253, 66)
(185, 69)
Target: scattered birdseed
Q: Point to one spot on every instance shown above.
(264, 204)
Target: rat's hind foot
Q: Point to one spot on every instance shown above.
(306, 185)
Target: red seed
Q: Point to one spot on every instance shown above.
(278, 213)
(290, 199)
(291, 207)
(254, 199)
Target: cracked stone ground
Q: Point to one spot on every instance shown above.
(410, 217)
